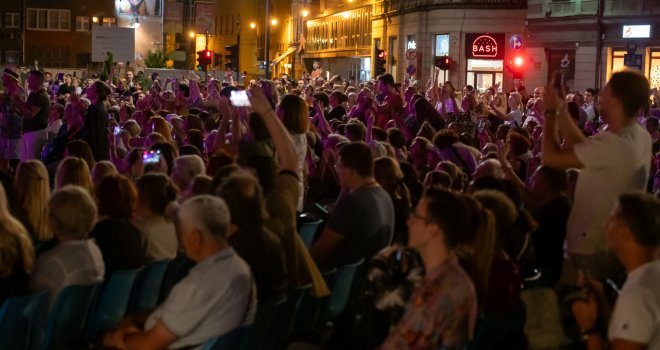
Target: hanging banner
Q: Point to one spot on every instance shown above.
(485, 46)
(205, 18)
(173, 17)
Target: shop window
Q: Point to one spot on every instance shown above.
(483, 74)
(617, 61)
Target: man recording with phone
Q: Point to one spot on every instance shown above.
(610, 163)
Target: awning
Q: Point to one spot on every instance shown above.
(283, 56)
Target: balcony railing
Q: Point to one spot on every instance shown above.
(556, 8)
(381, 7)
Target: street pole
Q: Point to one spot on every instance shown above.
(267, 35)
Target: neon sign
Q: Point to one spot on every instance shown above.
(484, 46)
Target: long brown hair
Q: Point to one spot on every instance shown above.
(31, 190)
(11, 226)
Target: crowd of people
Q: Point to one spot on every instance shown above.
(461, 203)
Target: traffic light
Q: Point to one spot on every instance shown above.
(443, 62)
(204, 58)
(381, 59)
(517, 65)
(231, 60)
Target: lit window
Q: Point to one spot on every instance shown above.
(82, 24)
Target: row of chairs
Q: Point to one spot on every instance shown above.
(80, 312)
(279, 322)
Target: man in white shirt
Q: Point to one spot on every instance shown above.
(215, 297)
(610, 164)
(588, 105)
(633, 234)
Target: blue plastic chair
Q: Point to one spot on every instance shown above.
(112, 303)
(66, 323)
(232, 340)
(307, 231)
(310, 307)
(284, 320)
(341, 288)
(147, 287)
(259, 336)
(21, 319)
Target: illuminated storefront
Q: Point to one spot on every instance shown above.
(485, 60)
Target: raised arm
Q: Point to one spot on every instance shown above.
(286, 151)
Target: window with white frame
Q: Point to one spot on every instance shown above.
(12, 20)
(48, 19)
(11, 57)
(109, 22)
(82, 23)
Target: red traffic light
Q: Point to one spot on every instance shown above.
(208, 53)
(382, 54)
(518, 61)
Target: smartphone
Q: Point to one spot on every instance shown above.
(239, 98)
(558, 83)
(151, 157)
(117, 130)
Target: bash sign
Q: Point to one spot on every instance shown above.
(484, 46)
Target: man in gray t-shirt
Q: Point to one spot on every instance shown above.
(363, 221)
(216, 297)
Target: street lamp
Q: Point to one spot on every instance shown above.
(191, 34)
(304, 13)
(273, 21)
(253, 25)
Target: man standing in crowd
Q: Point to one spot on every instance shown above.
(633, 234)
(215, 297)
(610, 164)
(588, 106)
(35, 117)
(363, 221)
(11, 121)
(392, 105)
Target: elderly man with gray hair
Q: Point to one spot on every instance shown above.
(216, 297)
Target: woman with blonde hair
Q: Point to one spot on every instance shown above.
(389, 176)
(74, 171)
(16, 253)
(31, 192)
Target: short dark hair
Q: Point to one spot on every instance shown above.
(450, 212)
(387, 79)
(357, 156)
(641, 213)
(357, 130)
(340, 96)
(322, 97)
(116, 197)
(40, 76)
(632, 89)
(445, 138)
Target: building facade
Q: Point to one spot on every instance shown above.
(593, 39)
(414, 33)
(11, 37)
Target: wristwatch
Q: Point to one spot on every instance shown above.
(550, 113)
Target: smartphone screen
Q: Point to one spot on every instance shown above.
(151, 157)
(117, 130)
(239, 98)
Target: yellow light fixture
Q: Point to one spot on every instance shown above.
(191, 34)
(253, 25)
(273, 21)
(304, 13)
(95, 19)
